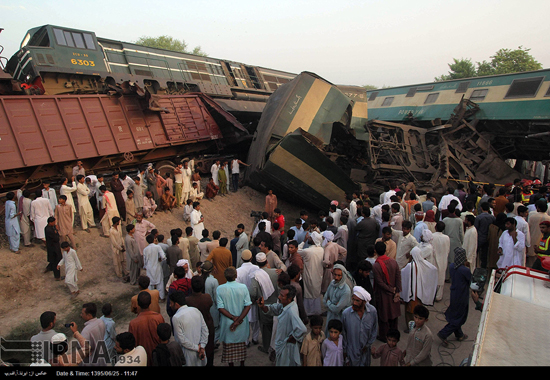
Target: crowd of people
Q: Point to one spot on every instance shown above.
(319, 292)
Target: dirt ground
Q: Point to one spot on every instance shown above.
(27, 291)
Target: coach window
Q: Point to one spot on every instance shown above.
(479, 95)
(431, 98)
(387, 101)
(524, 88)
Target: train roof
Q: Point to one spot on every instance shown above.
(32, 31)
(498, 79)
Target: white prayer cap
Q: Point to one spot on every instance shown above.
(58, 338)
(427, 235)
(182, 262)
(360, 292)
(317, 238)
(261, 257)
(328, 235)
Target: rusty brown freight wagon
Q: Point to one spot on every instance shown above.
(41, 136)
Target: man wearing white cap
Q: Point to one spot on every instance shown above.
(360, 322)
(313, 273)
(264, 284)
(244, 276)
(60, 347)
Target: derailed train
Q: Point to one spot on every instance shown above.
(305, 137)
(68, 95)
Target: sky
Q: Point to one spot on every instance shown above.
(369, 42)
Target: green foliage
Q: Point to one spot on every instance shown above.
(505, 61)
(168, 43)
(369, 87)
(461, 68)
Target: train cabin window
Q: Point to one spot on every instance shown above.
(373, 96)
(524, 88)
(478, 95)
(68, 38)
(78, 40)
(431, 98)
(548, 92)
(387, 101)
(462, 87)
(74, 39)
(59, 37)
(89, 41)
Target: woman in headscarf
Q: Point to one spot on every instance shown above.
(419, 283)
(457, 312)
(493, 235)
(429, 219)
(338, 294)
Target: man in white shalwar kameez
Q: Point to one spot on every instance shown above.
(470, 241)
(24, 208)
(441, 244)
(197, 220)
(72, 265)
(244, 276)
(41, 210)
(13, 229)
(426, 247)
(313, 273)
(190, 331)
(419, 280)
(84, 207)
(214, 171)
(49, 194)
(511, 245)
(523, 226)
(153, 255)
(186, 182)
(68, 191)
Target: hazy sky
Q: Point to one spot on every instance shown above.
(373, 42)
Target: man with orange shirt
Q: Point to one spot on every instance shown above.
(144, 326)
(221, 258)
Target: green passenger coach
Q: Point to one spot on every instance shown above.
(512, 107)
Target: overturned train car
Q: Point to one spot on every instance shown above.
(315, 142)
(289, 150)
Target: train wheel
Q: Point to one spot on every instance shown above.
(165, 167)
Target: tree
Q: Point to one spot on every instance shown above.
(370, 87)
(168, 43)
(505, 61)
(461, 68)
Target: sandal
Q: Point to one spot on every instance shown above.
(444, 341)
(463, 337)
